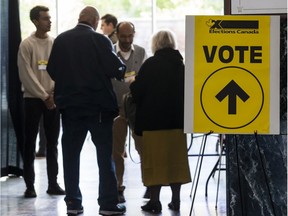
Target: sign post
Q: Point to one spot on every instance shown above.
(232, 74)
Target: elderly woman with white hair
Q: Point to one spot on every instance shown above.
(158, 92)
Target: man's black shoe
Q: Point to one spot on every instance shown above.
(55, 190)
(119, 209)
(40, 154)
(72, 212)
(30, 193)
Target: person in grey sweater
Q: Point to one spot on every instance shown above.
(133, 56)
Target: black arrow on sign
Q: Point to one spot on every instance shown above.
(232, 89)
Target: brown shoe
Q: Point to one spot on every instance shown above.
(121, 197)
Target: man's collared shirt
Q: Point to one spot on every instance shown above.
(125, 55)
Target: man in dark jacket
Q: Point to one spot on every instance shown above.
(82, 63)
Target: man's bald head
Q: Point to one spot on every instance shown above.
(89, 15)
(125, 34)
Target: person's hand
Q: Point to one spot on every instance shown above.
(49, 102)
(131, 79)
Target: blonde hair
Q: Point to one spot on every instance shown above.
(163, 39)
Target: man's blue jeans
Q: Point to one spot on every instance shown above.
(76, 123)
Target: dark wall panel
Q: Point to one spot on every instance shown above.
(11, 97)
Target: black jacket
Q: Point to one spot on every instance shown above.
(158, 92)
(82, 63)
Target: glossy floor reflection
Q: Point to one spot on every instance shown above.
(14, 204)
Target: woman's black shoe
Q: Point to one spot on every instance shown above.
(154, 207)
(174, 205)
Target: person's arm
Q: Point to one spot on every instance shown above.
(113, 65)
(138, 86)
(49, 102)
(27, 75)
(145, 56)
(52, 62)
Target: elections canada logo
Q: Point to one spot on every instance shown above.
(233, 26)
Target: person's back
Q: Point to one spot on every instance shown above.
(84, 86)
(82, 64)
(166, 69)
(161, 82)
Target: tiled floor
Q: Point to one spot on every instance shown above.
(14, 204)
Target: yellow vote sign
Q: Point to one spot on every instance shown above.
(232, 74)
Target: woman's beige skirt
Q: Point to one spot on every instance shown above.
(165, 158)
